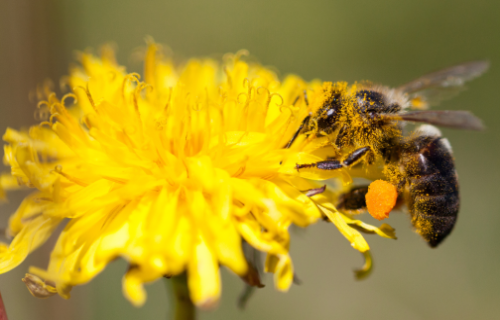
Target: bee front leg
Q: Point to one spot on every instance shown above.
(334, 164)
(302, 125)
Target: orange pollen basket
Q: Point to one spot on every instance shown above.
(381, 199)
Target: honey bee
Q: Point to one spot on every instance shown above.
(365, 124)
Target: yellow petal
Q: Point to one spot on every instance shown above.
(367, 267)
(385, 230)
(283, 276)
(133, 288)
(33, 235)
(304, 210)
(203, 276)
(252, 233)
(30, 207)
(354, 237)
(281, 266)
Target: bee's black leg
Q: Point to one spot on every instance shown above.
(333, 164)
(302, 125)
(305, 99)
(304, 122)
(353, 201)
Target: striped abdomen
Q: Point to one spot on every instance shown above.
(432, 194)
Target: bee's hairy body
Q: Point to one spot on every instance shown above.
(430, 186)
(364, 124)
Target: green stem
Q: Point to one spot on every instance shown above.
(184, 308)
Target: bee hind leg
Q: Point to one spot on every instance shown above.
(333, 164)
(353, 201)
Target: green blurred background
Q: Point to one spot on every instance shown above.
(388, 41)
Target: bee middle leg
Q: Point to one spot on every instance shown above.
(334, 164)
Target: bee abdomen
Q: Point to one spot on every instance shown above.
(444, 204)
(433, 198)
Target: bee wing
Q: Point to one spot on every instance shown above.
(450, 119)
(444, 84)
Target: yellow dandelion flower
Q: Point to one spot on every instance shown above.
(171, 174)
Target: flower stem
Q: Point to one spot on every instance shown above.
(184, 308)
